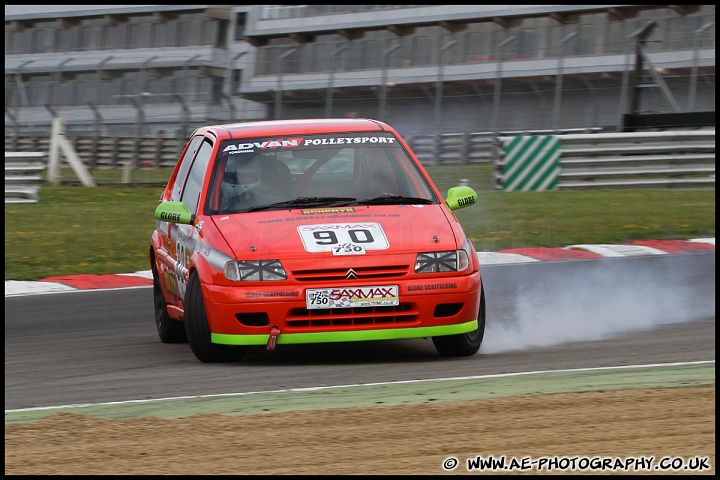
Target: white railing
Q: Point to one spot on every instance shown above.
(23, 176)
(669, 159)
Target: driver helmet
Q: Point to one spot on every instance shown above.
(247, 175)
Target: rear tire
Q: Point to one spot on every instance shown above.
(169, 330)
(197, 329)
(463, 344)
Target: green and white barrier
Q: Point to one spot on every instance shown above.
(531, 163)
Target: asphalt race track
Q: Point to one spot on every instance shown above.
(88, 347)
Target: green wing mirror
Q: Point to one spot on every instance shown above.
(461, 197)
(175, 212)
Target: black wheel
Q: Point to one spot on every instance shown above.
(169, 330)
(464, 344)
(197, 329)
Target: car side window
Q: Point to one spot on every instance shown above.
(185, 166)
(194, 183)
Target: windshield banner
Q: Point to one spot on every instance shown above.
(313, 142)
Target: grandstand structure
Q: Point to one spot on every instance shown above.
(163, 70)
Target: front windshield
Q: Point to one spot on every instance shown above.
(314, 170)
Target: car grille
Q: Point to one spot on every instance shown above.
(405, 313)
(362, 273)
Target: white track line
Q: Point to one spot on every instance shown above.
(330, 387)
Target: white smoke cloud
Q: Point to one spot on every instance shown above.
(586, 305)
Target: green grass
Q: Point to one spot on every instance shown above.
(74, 230)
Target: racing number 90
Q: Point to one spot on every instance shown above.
(328, 237)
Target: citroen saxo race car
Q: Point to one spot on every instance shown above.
(309, 231)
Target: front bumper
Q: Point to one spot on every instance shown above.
(240, 315)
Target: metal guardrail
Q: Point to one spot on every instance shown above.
(679, 159)
(23, 176)
(667, 159)
(456, 148)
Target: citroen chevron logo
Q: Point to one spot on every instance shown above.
(351, 274)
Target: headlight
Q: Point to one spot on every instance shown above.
(450, 261)
(255, 271)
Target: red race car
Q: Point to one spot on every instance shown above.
(311, 231)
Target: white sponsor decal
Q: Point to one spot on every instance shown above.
(343, 238)
(280, 143)
(352, 297)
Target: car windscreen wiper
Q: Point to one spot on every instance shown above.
(395, 199)
(306, 202)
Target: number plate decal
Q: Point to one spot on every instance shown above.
(348, 249)
(352, 297)
(343, 238)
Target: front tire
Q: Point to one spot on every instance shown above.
(169, 330)
(197, 329)
(463, 344)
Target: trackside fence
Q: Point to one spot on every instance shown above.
(587, 158)
(110, 152)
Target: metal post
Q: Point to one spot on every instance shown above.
(634, 37)
(141, 116)
(99, 76)
(693, 77)
(624, 85)
(278, 91)
(659, 81)
(144, 73)
(57, 76)
(559, 80)
(98, 118)
(232, 89)
(20, 85)
(13, 118)
(136, 154)
(331, 80)
(231, 107)
(52, 111)
(141, 100)
(383, 80)
(186, 114)
(594, 93)
(499, 52)
(438, 99)
(186, 66)
(59, 68)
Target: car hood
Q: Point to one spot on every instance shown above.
(371, 230)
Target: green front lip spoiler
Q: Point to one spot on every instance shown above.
(346, 336)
